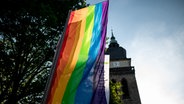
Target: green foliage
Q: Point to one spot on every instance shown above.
(115, 93)
(29, 31)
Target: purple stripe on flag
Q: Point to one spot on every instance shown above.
(99, 88)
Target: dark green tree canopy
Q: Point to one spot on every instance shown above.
(29, 31)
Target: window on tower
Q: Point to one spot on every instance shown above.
(125, 89)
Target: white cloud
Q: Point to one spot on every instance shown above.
(157, 55)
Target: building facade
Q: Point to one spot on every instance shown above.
(122, 71)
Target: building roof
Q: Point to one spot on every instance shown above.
(115, 51)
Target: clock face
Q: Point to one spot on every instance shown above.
(121, 63)
(115, 64)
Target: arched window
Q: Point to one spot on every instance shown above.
(125, 89)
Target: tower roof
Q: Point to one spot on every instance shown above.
(115, 51)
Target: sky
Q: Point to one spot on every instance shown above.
(152, 32)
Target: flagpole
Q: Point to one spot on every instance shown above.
(56, 56)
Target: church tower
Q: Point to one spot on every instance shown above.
(122, 71)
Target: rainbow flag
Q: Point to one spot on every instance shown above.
(78, 76)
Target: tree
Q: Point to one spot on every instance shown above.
(115, 93)
(29, 31)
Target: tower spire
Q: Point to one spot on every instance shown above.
(113, 40)
(112, 33)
